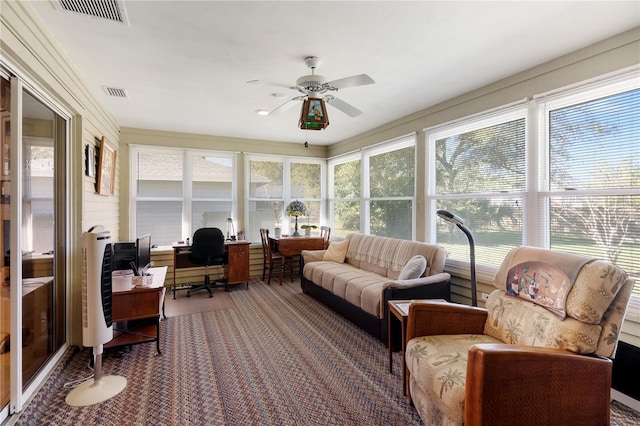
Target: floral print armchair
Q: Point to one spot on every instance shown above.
(540, 353)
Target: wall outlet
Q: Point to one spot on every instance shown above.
(152, 263)
(484, 296)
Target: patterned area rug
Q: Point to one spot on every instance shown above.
(621, 415)
(277, 358)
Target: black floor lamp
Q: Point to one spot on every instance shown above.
(452, 218)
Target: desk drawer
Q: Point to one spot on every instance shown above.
(136, 304)
(182, 260)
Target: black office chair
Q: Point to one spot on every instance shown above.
(207, 249)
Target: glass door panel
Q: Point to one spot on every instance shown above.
(40, 129)
(5, 225)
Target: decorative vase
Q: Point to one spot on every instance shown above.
(277, 232)
(307, 232)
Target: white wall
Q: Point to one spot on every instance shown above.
(34, 56)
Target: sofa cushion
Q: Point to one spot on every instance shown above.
(381, 254)
(387, 256)
(363, 289)
(414, 268)
(336, 252)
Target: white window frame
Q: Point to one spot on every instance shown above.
(365, 191)
(565, 98)
(331, 165)
(493, 117)
(535, 198)
(286, 184)
(187, 194)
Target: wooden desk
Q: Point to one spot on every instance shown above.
(237, 262)
(132, 305)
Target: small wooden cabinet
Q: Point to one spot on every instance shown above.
(238, 265)
(136, 311)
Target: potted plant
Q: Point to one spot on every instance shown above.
(308, 228)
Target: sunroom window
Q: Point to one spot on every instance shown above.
(179, 191)
(373, 191)
(594, 177)
(345, 198)
(480, 176)
(273, 182)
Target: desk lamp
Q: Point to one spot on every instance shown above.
(456, 220)
(296, 208)
(231, 236)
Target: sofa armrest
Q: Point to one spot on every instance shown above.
(433, 318)
(312, 255)
(431, 279)
(567, 388)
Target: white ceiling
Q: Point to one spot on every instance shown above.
(185, 64)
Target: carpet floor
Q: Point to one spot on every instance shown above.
(277, 357)
(270, 355)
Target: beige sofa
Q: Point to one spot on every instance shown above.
(360, 287)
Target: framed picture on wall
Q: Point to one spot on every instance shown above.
(106, 168)
(90, 160)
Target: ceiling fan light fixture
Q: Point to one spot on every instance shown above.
(313, 115)
(314, 90)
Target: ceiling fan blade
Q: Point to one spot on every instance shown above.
(271, 83)
(348, 109)
(286, 106)
(354, 80)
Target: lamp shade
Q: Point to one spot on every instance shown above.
(231, 230)
(313, 115)
(296, 208)
(450, 217)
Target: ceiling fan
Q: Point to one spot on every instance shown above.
(316, 86)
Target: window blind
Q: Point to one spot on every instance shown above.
(594, 176)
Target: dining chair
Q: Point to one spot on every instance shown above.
(271, 259)
(325, 233)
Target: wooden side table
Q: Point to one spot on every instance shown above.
(138, 310)
(399, 310)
